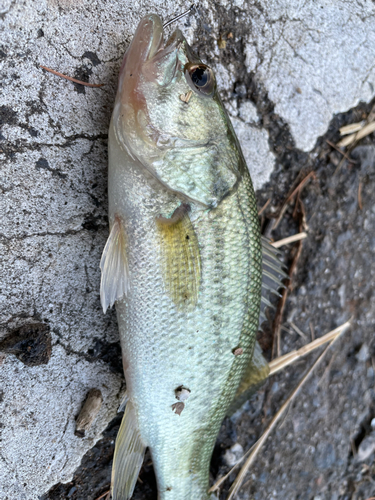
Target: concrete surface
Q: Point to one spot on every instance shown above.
(310, 59)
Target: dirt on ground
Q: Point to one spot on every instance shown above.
(324, 447)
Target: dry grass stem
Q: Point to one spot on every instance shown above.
(367, 130)
(258, 445)
(70, 78)
(283, 361)
(290, 239)
(326, 371)
(344, 143)
(289, 198)
(353, 127)
(364, 131)
(297, 330)
(264, 206)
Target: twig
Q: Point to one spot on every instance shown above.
(283, 361)
(264, 206)
(281, 306)
(104, 494)
(291, 196)
(345, 155)
(258, 445)
(360, 205)
(71, 79)
(290, 239)
(311, 325)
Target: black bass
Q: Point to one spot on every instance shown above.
(183, 263)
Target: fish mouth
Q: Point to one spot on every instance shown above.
(152, 33)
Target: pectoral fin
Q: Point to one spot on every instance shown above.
(128, 456)
(114, 265)
(180, 257)
(253, 378)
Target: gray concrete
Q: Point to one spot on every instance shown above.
(314, 59)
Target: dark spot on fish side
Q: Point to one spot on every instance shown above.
(178, 407)
(187, 237)
(92, 57)
(1, 396)
(40, 33)
(31, 344)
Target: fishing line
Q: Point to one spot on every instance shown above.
(193, 7)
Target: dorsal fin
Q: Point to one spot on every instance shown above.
(272, 275)
(180, 257)
(114, 265)
(128, 456)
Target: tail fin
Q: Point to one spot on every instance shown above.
(128, 457)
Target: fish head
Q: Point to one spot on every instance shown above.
(169, 117)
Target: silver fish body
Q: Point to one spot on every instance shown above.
(180, 324)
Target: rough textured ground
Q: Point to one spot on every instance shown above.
(285, 70)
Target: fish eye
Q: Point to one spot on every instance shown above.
(200, 78)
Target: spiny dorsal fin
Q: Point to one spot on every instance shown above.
(271, 277)
(114, 265)
(180, 257)
(128, 456)
(253, 378)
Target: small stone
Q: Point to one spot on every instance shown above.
(363, 354)
(233, 454)
(238, 351)
(178, 407)
(366, 448)
(89, 411)
(221, 43)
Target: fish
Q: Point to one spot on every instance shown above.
(184, 263)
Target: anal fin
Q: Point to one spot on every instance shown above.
(114, 266)
(128, 456)
(253, 378)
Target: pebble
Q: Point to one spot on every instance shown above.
(366, 448)
(233, 454)
(363, 354)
